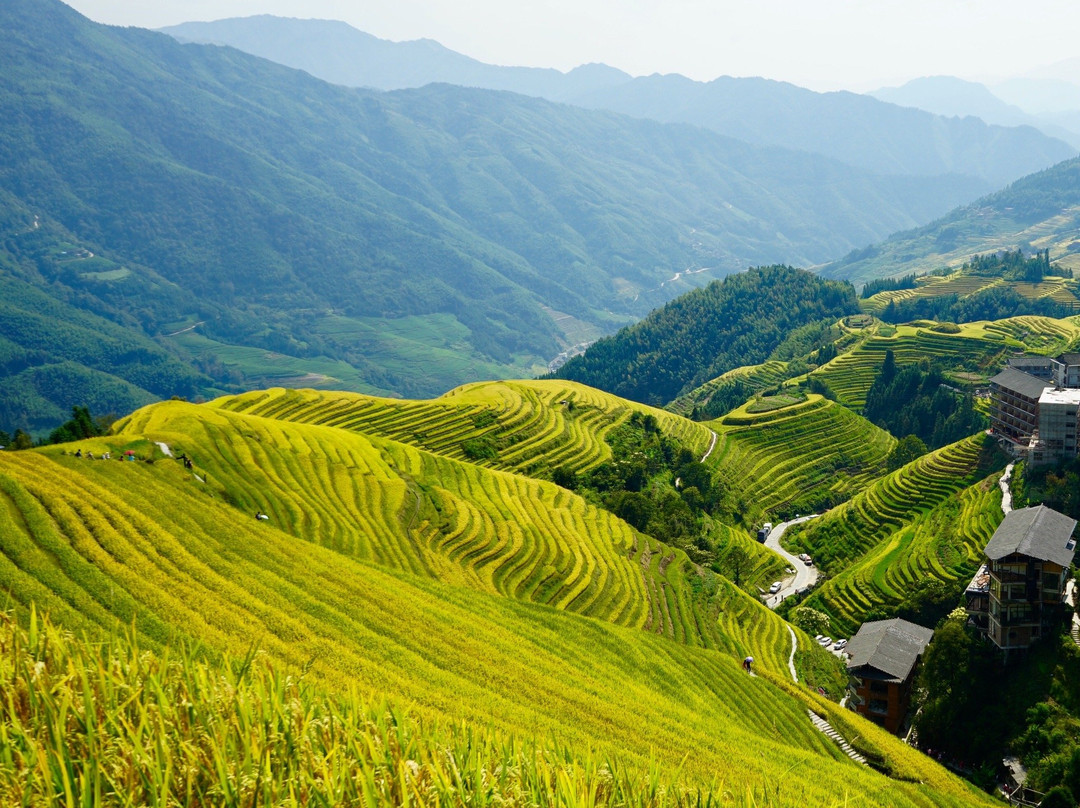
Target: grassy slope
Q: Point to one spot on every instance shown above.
(100, 543)
(813, 448)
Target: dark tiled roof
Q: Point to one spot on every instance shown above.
(1070, 358)
(1038, 532)
(1026, 361)
(1020, 383)
(891, 646)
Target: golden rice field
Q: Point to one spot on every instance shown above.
(861, 524)
(945, 543)
(755, 377)
(103, 545)
(816, 446)
(979, 346)
(533, 424)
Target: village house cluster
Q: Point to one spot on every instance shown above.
(1035, 407)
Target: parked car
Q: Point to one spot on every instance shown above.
(775, 587)
(826, 642)
(808, 561)
(839, 645)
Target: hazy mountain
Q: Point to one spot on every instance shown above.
(1040, 95)
(286, 230)
(338, 53)
(1038, 212)
(950, 96)
(855, 129)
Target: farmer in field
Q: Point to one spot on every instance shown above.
(747, 664)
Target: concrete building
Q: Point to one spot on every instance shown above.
(1014, 406)
(882, 660)
(1059, 424)
(1028, 557)
(1068, 370)
(1041, 367)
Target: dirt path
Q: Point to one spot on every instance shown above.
(185, 330)
(1006, 492)
(791, 659)
(712, 445)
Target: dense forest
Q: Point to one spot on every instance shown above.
(738, 321)
(917, 400)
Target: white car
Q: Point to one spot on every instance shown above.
(839, 645)
(826, 642)
(775, 587)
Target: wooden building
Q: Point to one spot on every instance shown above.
(1029, 557)
(882, 659)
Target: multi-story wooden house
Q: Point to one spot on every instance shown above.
(882, 660)
(1029, 556)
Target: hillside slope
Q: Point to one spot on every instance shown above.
(273, 228)
(149, 545)
(1038, 212)
(855, 129)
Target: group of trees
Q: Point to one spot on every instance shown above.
(996, 303)
(82, 425)
(916, 400)
(656, 485)
(888, 285)
(739, 321)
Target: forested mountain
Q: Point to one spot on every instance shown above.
(730, 323)
(856, 129)
(1039, 212)
(284, 230)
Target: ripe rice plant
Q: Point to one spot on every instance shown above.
(109, 724)
(859, 525)
(801, 457)
(944, 544)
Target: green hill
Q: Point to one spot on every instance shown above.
(1038, 212)
(266, 228)
(705, 333)
(944, 543)
(439, 632)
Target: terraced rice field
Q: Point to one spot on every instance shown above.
(931, 286)
(104, 544)
(533, 425)
(817, 446)
(393, 505)
(978, 346)
(945, 544)
(756, 377)
(859, 526)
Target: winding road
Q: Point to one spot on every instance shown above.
(804, 576)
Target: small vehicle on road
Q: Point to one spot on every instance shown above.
(775, 587)
(825, 642)
(839, 645)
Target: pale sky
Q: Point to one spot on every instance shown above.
(822, 44)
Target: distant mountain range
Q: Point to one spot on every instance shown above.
(257, 226)
(950, 96)
(1040, 212)
(854, 129)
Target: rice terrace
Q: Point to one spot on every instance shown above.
(381, 426)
